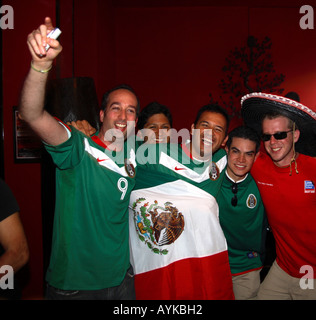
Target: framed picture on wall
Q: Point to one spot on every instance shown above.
(27, 146)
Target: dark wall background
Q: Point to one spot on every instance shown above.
(170, 51)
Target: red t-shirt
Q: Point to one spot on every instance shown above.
(290, 203)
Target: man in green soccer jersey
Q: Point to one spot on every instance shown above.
(241, 213)
(94, 178)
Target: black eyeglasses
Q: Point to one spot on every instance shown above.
(278, 135)
(234, 200)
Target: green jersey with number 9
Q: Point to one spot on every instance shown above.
(90, 249)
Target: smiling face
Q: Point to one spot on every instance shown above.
(280, 151)
(119, 116)
(212, 136)
(240, 157)
(159, 126)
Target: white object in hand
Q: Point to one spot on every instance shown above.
(54, 34)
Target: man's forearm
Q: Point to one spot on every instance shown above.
(15, 259)
(14, 243)
(33, 94)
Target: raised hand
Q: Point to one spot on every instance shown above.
(37, 41)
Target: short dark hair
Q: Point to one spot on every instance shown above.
(121, 86)
(244, 132)
(150, 110)
(212, 108)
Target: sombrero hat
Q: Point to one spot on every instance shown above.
(255, 106)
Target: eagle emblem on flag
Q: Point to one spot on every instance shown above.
(157, 225)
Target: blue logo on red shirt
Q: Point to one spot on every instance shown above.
(309, 186)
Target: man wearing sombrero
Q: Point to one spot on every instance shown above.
(286, 177)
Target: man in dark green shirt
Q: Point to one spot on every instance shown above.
(241, 213)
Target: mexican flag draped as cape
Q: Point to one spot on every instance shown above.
(178, 249)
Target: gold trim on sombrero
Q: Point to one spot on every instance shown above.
(279, 99)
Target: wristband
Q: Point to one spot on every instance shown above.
(41, 71)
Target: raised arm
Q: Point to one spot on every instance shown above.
(31, 108)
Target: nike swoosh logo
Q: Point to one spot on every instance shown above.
(100, 160)
(176, 168)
